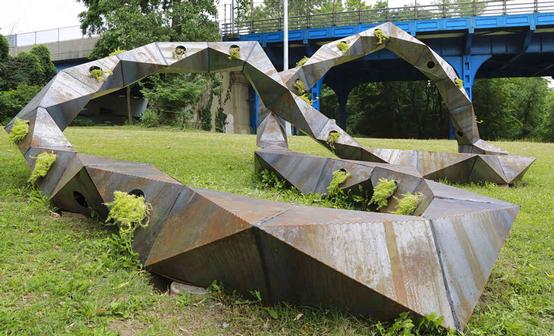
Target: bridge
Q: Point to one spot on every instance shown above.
(480, 39)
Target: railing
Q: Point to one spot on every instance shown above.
(243, 25)
(44, 37)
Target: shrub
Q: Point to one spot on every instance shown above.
(128, 212)
(302, 61)
(384, 190)
(19, 131)
(150, 118)
(43, 164)
(339, 177)
(408, 203)
(12, 101)
(381, 36)
(343, 46)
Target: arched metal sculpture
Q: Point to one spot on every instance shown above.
(437, 260)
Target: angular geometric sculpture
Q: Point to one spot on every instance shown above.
(373, 263)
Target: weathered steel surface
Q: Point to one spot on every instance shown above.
(366, 262)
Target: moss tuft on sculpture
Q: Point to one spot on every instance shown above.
(19, 131)
(128, 212)
(381, 36)
(408, 204)
(43, 164)
(117, 52)
(343, 46)
(339, 177)
(99, 74)
(332, 139)
(459, 83)
(234, 53)
(382, 192)
(302, 61)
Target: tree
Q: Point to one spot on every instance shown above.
(4, 48)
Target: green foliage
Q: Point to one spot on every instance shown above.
(12, 101)
(234, 53)
(382, 192)
(343, 46)
(403, 325)
(117, 52)
(339, 177)
(150, 118)
(20, 129)
(380, 36)
(300, 89)
(172, 96)
(43, 163)
(4, 48)
(332, 138)
(408, 204)
(302, 61)
(128, 212)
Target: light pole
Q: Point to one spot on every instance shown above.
(288, 128)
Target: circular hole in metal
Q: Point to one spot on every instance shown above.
(94, 67)
(460, 134)
(80, 199)
(137, 192)
(180, 50)
(430, 64)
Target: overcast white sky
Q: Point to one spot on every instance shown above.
(22, 16)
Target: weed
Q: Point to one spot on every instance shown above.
(184, 299)
(19, 131)
(408, 203)
(302, 61)
(384, 190)
(339, 177)
(381, 36)
(343, 46)
(43, 163)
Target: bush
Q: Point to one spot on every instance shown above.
(12, 101)
(150, 118)
(4, 48)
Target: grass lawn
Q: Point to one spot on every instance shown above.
(64, 276)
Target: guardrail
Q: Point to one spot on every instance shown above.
(445, 9)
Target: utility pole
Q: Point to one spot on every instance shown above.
(288, 128)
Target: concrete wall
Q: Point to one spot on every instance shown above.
(65, 50)
(234, 99)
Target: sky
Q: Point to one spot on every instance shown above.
(22, 16)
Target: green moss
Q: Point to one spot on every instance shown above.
(99, 74)
(302, 61)
(408, 203)
(43, 164)
(299, 87)
(234, 53)
(384, 190)
(117, 52)
(19, 131)
(306, 97)
(339, 177)
(343, 46)
(333, 138)
(381, 36)
(459, 83)
(128, 212)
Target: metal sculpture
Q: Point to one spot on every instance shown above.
(437, 260)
